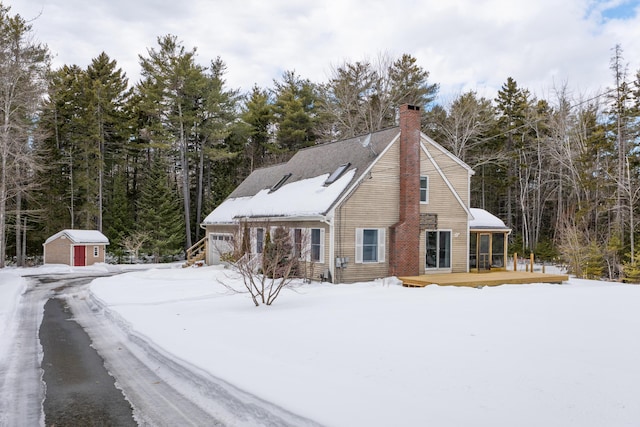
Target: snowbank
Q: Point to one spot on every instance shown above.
(11, 287)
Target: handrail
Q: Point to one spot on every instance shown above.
(197, 252)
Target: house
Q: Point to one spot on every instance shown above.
(393, 202)
(75, 247)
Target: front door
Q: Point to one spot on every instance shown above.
(79, 256)
(484, 259)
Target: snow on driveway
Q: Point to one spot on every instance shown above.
(378, 354)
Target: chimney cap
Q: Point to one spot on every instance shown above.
(410, 107)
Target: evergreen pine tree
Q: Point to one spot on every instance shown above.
(118, 217)
(295, 101)
(159, 213)
(258, 115)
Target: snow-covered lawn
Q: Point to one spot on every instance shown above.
(378, 354)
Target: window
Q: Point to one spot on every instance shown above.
(337, 173)
(370, 245)
(259, 240)
(316, 245)
(424, 189)
(222, 237)
(96, 251)
(438, 254)
(308, 244)
(280, 183)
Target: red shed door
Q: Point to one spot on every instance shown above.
(79, 256)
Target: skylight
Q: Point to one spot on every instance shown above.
(337, 173)
(280, 183)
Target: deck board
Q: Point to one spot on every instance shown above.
(482, 279)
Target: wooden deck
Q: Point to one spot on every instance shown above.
(481, 279)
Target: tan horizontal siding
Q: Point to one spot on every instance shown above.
(90, 259)
(374, 204)
(314, 269)
(443, 203)
(58, 251)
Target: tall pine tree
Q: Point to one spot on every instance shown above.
(159, 215)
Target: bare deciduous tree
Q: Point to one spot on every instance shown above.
(23, 68)
(134, 242)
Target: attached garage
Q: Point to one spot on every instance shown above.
(75, 247)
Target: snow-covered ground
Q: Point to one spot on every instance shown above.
(378, 354)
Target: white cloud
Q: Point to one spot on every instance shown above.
(464, 44)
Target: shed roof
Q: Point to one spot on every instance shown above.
(485, 220)
(81, 236)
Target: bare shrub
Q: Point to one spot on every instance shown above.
(266, 274)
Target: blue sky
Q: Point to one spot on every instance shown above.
(464, 44)
(622, 10)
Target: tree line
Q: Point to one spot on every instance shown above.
(146, 162)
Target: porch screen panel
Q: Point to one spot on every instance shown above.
(497, 250)
(473, 250)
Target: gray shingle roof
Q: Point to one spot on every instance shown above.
(318, 160)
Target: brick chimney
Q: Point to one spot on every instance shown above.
(404, 236)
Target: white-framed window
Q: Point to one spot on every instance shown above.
(317, 245)
(259, 240)
(424, 189)
(370, 245)
(438, 249)
(96, 251)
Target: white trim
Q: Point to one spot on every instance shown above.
(425, 202)
(346, 194)
(310, 240)
(445, 179)
(359, 244)
(332, 249)
(322, 238)
(446, 152)
(81, 237)
(380, 245)
(437, 268)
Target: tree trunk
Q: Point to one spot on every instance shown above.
(200, 191)
(18, 224)
(3, 202)
(185, 178)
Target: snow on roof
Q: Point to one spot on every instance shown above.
(81, 236)
(307, 197)
(484, 219)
